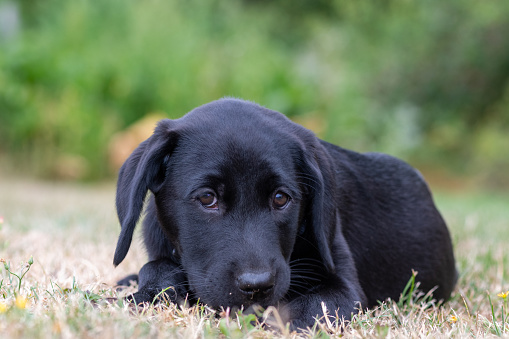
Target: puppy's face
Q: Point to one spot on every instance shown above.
(235, 184)
(230, 204)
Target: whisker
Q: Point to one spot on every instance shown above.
(298, 284)
(306, 275)
(305, 260)
(305, 184)
(307, 177)
(305, 266)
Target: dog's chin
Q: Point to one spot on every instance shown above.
(228, 295)
(250, 303)
(240, 302)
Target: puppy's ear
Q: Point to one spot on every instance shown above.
(321, 207)
(144, 170)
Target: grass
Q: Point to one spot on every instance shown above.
(67, 291)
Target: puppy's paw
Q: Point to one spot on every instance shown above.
(140, 297)
(298, 316)
(154, 296)
(128, 281)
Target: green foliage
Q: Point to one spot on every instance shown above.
(446, 63)
(12, 288)
(408, 292)
(426, 80)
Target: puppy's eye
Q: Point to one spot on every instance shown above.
(280, 200)
(208, 200)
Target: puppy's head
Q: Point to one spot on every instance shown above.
(235, 186)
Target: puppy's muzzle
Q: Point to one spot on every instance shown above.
(255, 285)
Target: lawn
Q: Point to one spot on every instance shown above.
(68, 291)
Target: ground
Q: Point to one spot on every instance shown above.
(70, 231)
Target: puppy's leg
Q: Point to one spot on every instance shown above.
(127, 280)
(302, 311)
(340, 291)
(158, 275)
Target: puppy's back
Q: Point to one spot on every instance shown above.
(392, 225)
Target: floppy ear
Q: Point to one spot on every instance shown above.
(323, 220)
(144, 170)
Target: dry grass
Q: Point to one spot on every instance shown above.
(71, 233)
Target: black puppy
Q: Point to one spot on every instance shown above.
(249, 208)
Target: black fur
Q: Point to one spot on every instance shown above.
(355, 227)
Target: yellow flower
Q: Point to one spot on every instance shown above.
(503, 295)
(21, 302)
(56, 327)
(3, 308)
(453, 319)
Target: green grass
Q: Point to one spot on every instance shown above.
(68, 291)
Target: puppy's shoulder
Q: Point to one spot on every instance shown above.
(384, 165)
(375, 170)
(396, 177)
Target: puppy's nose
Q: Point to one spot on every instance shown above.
(255, 283)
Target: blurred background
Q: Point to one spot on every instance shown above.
(82, 82)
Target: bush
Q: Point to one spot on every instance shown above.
(422, 80)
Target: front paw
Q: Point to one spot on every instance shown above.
(304, 313)
(128, 281)
(140, 297)
(152, 296)
(160, 280)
